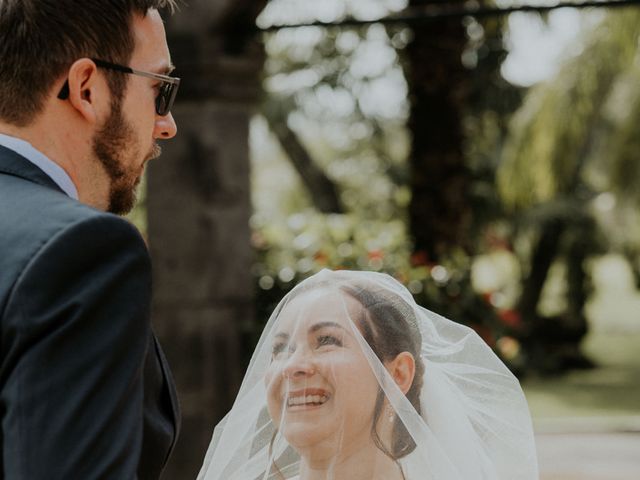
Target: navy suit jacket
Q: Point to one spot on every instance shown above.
(85, 390)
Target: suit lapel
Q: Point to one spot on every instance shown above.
(171, 387)
(14, 164)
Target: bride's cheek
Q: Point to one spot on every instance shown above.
(271, 374)
(273, 401)
(269, 387)
(272, 383)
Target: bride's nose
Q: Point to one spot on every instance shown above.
(299, 364)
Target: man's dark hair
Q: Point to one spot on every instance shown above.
(40, 39)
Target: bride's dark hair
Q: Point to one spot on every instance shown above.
(389, 326)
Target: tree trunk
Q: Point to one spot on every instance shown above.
(543, 255)
(199, 209)
(439, 212)
(322, 190)
(553, 343)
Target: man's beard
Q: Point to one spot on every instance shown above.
(111, 144)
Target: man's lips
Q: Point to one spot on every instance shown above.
(308, 397)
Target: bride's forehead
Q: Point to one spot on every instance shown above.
(317, 305)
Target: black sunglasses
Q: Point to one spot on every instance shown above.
(166, 94)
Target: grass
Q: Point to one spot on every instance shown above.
(607, 396)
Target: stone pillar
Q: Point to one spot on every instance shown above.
(198, 222)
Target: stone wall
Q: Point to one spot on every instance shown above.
(198, 213)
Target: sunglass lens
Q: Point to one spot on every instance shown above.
(166, 96)
(162, 100)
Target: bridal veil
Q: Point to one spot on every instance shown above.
(325, 386)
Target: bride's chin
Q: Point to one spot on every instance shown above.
(306, 439)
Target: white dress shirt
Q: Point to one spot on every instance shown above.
(48, 166)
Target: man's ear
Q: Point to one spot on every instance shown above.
(402, 369)
(85, 87)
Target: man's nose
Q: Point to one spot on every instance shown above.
(165, 127)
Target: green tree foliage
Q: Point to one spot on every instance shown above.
(571, 146)
(336, 107)
(341, 94)
(564, 121)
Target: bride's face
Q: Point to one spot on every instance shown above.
(321, 389)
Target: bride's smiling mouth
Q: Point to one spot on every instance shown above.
(306, 399)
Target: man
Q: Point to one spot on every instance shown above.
(85, 392)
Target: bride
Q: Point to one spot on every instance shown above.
(353, 380)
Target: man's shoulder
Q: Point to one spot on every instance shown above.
(29, 207)
(33, 218)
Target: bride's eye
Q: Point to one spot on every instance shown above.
(278, 348)
(323, 340)
(281, 349)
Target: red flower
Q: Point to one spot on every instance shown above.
(419, 258)
(321, 258)
(511, 318)
(375, 254)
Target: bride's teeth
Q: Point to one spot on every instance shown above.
(308, 399)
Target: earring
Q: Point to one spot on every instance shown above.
(390, 414)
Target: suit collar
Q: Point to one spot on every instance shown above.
(14, 164)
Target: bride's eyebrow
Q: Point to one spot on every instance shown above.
(320, 325)
(282, 335)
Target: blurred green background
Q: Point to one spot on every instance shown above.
(500, 199)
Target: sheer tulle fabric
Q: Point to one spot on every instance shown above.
(319, 399)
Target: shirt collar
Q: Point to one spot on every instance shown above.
(48, 166)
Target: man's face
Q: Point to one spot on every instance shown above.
(115, 146)
(126, 140)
